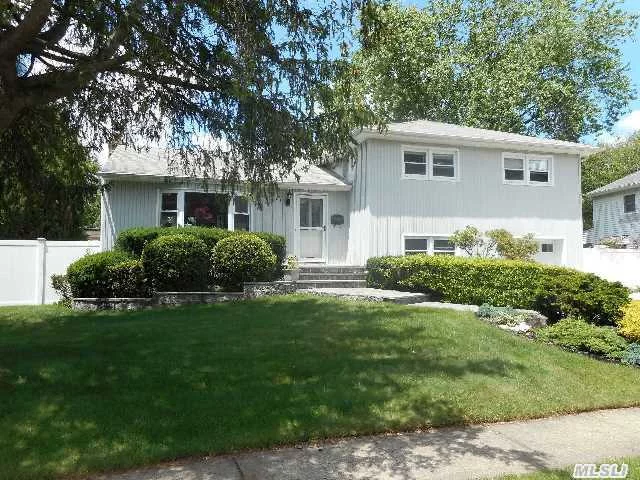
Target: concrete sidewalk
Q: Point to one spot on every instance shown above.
(448, 453)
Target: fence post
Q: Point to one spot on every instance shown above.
(41, 270)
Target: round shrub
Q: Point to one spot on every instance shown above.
(176, 263)
(128, 280)
(88, 276)
(242, 258)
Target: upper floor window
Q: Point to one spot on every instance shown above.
(518, 168)
(415, 163)
(430, 164)
(630, 203)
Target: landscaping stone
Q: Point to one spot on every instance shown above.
(369, 295)
(262, 289)
(91, 304)
(194, 298)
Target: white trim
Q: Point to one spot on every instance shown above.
(549, 159)
(428, 152)
(296, 226)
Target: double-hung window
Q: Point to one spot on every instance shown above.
(630, 203)
(169, 209)
(415, 164)
(430, 163)
(415, 244)
(241, 213)
(521, 169)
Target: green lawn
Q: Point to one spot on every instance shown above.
(87, 392)
(566, 474)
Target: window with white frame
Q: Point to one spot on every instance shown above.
(204, 209)
(169, 209)
(629, 203)
(241, 213)
(415, 163)
(546, 247)
(414, 244)
(518, 168)
(539, 169)
(443, 164)
(430, 163)
(513, 168)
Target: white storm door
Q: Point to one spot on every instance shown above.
(311, 228)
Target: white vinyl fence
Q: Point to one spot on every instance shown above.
(26, 267)
(622, 265)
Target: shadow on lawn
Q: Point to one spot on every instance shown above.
(114, 390)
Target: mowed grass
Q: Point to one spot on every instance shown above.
(87, 392)
(567, 473)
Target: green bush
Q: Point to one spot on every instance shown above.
(60, 284)
(176, 263)
(128, 280)
(133, 240)
(555, 292)
(242, 258)
(579, 336)
(88, 276)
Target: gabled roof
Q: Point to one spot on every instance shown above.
(459, 135)
(624, 183)
(154, 163)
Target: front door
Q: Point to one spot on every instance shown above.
(311, 228)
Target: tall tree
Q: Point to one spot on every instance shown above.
(251, 74)
(537, 67)
(46, 187)
(605, 166)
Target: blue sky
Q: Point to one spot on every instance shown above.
(630, 122)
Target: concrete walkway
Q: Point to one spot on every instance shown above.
(449, 453)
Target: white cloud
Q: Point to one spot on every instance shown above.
(628, 124)
(621, 131)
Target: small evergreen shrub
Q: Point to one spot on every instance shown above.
(242, 258)
(128, 280)
(176, 263)
(579, 336)
(88, 276)
(629, 324)
(555, 292)
(632, 355)
(60, 284)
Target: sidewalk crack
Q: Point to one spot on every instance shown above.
(235, 462)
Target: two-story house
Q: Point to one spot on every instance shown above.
(409, 190)
(616, 209)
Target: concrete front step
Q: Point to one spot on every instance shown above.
(305, 284)
(321, 268)
(332, 276)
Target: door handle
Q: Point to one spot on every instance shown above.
(324, 228)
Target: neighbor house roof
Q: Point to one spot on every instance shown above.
(459, 135)
(153, 163)
(630, 181)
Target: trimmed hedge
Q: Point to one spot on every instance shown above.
(177, 263)
(555, 292)
(133, 240)
(128, 280)
(89, 277)
(242, 258)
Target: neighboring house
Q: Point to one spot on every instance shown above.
(616, 208)
(410, 188)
